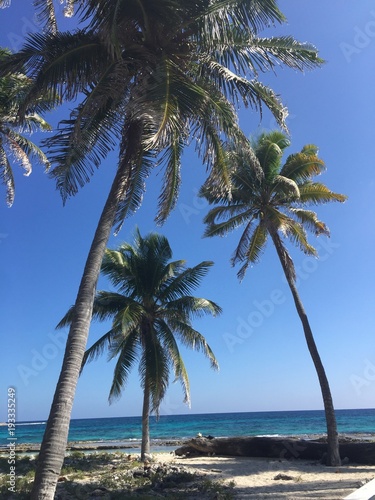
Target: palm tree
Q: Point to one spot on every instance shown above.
(150, 310)
(271, 202)
(14, 145)
(154, 76)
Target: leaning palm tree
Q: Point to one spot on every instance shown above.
(152, 309)
(150, 77)
(15, 146)
(272, 202)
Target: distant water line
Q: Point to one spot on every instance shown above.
(359, 422)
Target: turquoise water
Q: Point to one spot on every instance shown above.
(178, 427)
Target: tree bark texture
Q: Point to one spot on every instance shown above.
(145, 446)
(332, 434)
(55, 438)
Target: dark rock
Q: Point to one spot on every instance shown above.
(360, 452)
(283, 477)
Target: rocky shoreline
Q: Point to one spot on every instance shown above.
(95, 446)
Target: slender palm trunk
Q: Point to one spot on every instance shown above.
(333, 458)
(145, 447)
(55, 438)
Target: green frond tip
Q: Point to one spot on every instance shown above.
(152, 309)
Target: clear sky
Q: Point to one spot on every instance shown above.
(258, 340)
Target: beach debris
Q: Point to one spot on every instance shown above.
(283, 477)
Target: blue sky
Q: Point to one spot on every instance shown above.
(258, 340)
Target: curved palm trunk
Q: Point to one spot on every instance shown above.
(55, 438)
(333, 458)
(145, 447)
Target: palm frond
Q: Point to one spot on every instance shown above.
(303, 166)
(127, 351)
(285, 188)
(79, 147)
(138, 171)
(185, 282)
(108, 304)
(18, 152)
(286, 50)
(25, 150)
(309, 219)
(290, 228)
(233, 215)
(169, 343)
(243, 14)
(188, 307)
(6, 176)
(251, 254)
(46, 14)
(316, 193)
(154, 369)
(97, 349)
(172, 177)
(67, 319)
(269, 150)
(192, 339)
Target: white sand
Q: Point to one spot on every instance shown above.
(254, 477)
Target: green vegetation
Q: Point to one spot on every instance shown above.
(115, 475)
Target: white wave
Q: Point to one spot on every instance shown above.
(30, 423)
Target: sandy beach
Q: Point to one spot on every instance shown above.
(107, 476)
(255, 478)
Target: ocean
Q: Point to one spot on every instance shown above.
(126, 431)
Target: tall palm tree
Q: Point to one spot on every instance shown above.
(14, 145)
(154, 76)
(152, 309)
(272, 202)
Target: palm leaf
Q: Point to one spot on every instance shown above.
(98, 347)
(46, 14)
(285, 188)
(127, 355)
(309, 219)
(170, 344)
(186, 281)
(6, 176)
(301, 167)
(188, 307)
(192, 339)
(255, 248)
(154, 370)
(235, 216)
(172, 177)
(316, 193)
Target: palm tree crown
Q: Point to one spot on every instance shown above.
(156, 75)
(270, 200)
(14, 145)
(152, 305)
